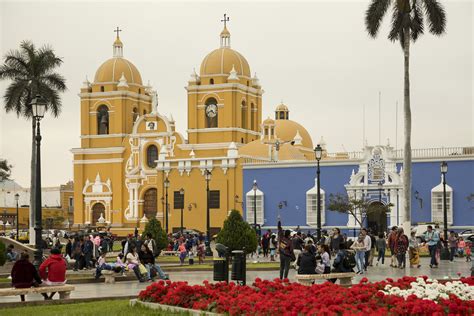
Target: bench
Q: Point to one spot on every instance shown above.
(109, 276)
(63, 290)
(169, 253)
(345, 278)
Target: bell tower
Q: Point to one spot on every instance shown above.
(224, 100)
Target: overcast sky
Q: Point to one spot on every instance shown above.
(315, 56)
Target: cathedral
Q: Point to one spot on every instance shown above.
(132, 164)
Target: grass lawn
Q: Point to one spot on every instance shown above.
(102, 308)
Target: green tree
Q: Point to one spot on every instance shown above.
(237, 234)
(2, 253)
(159, 235)
(5, 170)
(31, 71)
(343, 204)
(408, 18)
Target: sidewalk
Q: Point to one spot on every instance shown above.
(197, 277)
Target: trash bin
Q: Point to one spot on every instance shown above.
(221, 269)
(239, 268)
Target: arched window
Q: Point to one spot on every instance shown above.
(102, 120)
(254, 199)
(135, 115)
(211, 113)
(211, 81)
(102, 89)
(97, 210)
(150, 203)
(244, 115)
(151, 156)
(312, 206)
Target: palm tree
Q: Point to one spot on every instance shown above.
(407, 23)
(5, 170)
(31, 72)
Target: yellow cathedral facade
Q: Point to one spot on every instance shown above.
(132, 161)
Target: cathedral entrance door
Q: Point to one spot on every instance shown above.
(377, 218)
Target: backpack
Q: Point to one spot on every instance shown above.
(349, 261)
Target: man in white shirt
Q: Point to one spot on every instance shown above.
(368, 246)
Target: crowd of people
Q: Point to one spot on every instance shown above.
(310, 256)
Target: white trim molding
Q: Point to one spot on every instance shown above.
(94, 161)
(222, 129)
(103, 136)
(98, 151)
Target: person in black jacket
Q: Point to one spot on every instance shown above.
(306, 261)
(148, 260)
(286, 254)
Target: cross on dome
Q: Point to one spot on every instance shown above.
(225, 34)
(118, 45)
(117, 30)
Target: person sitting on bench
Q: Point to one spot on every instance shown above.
(53, 270)
(24, 274)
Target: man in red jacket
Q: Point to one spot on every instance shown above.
(53, 270)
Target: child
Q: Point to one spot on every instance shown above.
(461, 247)
(182, 252)
(467, 250)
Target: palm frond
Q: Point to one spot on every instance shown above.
(15, 97)
(55, 80)
(12, 73)
(374, 15)
(52, 98)
(416, 25)
(396, 24)
(436, 16)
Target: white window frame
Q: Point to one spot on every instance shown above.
(249, 216)
(437, 211)
(312, 206)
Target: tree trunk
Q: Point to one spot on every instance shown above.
(407, 145)
(32, 185)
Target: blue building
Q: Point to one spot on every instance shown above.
(286, 189)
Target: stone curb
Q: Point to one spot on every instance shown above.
(61, 302)
(169, 308)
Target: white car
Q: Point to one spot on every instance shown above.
(466, 234)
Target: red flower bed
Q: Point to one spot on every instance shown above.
(285, 298)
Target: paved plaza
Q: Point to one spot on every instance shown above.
(94, 290)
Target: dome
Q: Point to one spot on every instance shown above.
(112, 69)
(286, 130)
(221, 61)
(281, 107)
(261, 150)
(268, 121)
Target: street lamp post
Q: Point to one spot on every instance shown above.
(17, 198)
(445, 252)
(181, 192)
(318, 152)
(166, 184)
(207, 176)
(38, 105)
(255, 188)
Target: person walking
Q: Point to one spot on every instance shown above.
(432, 239)
(265, 244)
(453, 245)
(272, 246)
(360, 250)
(392, 240)
(381, 245)
(402, 247)
(286, 254)
(24, 274)
(182, 252)
(77, 253)
(414, 251)
(368, 246)
(336, 240)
